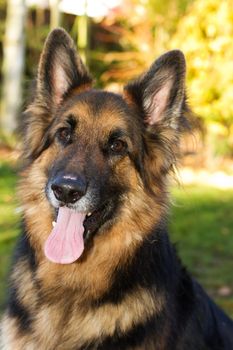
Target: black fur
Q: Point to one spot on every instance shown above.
(25, 253)
(18, 311)
(143, 271)
(24, 250)
(133, 338)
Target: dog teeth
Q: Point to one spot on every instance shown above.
(89, 214)
(54, 223)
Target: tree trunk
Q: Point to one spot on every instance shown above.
(82, 35)
(13, 66)
(55, 14)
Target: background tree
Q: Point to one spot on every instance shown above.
(55, 14)
(205, 34)
(13, 65)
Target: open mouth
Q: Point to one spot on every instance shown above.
(71, 231)
(93, 221)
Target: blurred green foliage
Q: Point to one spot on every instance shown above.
(203, 30)
(126, 42)
(205, 34)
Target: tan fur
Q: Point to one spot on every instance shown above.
(23, 279)
(83, 325)
(79, 325)
(12, 339)
(74, 320)
(79, 89)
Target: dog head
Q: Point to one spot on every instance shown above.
(95, 151)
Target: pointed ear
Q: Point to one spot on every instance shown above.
(159, 97)
(60, 71)
(60, 68)
(160, 92)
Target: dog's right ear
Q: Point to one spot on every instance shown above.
(60, 71)
(160, 100)
(60, 68)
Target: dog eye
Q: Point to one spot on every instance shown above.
(118, 146)
(64, 135)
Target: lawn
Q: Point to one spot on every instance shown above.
(202, 229)
(8, 222)
(201, 225)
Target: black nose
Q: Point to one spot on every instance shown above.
(69, 188)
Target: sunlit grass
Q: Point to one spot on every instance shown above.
(201, 225)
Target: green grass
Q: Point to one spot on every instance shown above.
(8, 223)
(201, 226)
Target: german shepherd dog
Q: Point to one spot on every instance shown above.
(94, 268)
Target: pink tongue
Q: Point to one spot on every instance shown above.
(65, 243)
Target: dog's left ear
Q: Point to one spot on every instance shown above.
(160, 92)
(60, 69)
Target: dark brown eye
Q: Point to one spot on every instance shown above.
(64, 135)
(118, 146)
